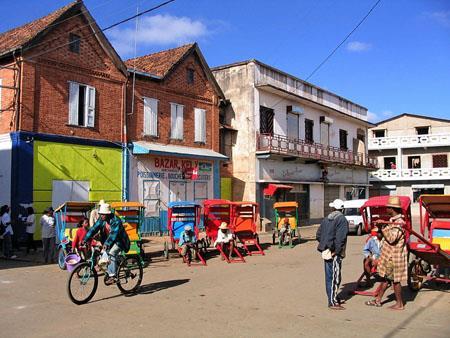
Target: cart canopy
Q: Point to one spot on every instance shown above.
(437, 206)
(76, 206)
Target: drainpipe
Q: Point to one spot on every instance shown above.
(125, 156)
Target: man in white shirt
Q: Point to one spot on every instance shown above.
(225, 239)
(7, 233)
(48, 235)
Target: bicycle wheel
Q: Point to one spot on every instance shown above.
(82, 283)
(129, 275)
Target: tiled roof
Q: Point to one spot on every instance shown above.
(160, 63)
(17, 37)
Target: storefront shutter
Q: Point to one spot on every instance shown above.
(200, 125)
(73, 103)
(90, 106)
(150, 116)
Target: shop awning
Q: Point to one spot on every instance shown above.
(143, 148)
(272, 188)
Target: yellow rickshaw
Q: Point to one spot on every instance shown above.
(286, 223)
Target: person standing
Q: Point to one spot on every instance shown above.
(393, 263)
(7, 232)
(30, 229)
(332, 237)
(48, 235)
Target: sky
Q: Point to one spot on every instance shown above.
(397, 61)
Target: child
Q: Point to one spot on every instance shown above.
(372, 252)
(83, 228)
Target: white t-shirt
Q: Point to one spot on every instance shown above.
(5, 220)
(30, 224)
(223, 237)
(48, 226)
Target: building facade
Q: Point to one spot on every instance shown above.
(413, 152)
(294, 141)
(173, 129)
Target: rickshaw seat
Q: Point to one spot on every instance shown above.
(441, 237)
(292, 223)
(244, 225)
(73, 218)
(178, 228)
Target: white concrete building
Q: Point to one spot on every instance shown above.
(295, 141)
(412, 152)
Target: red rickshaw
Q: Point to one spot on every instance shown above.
(214, 213)
(244, 225)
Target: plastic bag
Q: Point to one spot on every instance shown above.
(104, 260)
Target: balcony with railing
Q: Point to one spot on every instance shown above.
(410, 174)
(281, 145)
(409, 141)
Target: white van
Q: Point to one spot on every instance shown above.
(354, 218)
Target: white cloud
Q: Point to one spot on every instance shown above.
(441, 17)
(358, 46)
(158, 30)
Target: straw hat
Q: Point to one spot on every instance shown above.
(101, 202)
(105, 209)
(337, 204)
(223, 226)
(394, 202)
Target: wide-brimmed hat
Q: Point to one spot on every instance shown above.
(101, 202)
(394, 202)
(223, 226)
(105, 209)
(187, 228)
(337, 204)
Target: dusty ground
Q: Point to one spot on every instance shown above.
(279, 295)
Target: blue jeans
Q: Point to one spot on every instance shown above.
(333, 279)
(113, 254)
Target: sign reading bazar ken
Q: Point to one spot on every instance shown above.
(155, 181)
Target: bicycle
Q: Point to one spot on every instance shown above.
(83, 280)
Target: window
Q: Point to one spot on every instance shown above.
(74, 43)
(390, 163)
(422, 130)
(266, 120)
(200, 125)
(440, 161)
(379, 133)
(81, 105)
(319, 94)
(176, 113)
(150, 116)
(413, 162)
(343, 139)
(292, 126)
(309, 136)
(0, 95)
(307, 88)
(190, 75)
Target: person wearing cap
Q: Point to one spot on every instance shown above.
(113, 237)
(332, 237)
(372, 252)
(393, 263)
(48, 233)
(187, 240)
(225, 239)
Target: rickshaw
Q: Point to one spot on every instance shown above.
(67, 217)
(283, 211)
(244, 225)
(181, 214)
(431, 252)
(374, 209)
(214, 213)
(132, 216)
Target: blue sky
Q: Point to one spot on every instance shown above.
(398, 61)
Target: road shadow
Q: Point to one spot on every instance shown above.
(148, 289)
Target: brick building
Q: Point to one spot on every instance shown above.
(60, 119)
(173, 123)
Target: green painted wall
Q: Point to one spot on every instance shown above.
(226, 188)
(102, 167)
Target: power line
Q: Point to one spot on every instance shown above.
(106, 28)
(343, 41)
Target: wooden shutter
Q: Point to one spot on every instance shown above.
(74, 89)
(1, 95)
(200, 125)
(180, 121)
(173, 120)
(150, 116)
(90, 106)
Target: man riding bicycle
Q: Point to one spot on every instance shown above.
(112, 235)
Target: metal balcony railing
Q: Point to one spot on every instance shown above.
(279, 144)
(410, 174)
(409, 141)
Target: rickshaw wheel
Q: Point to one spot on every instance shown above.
(61, 259)
(414, 280)
(359, 230)
(166, 250)
(273, 238)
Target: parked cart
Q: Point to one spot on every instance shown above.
(244, 226)
(286, 223)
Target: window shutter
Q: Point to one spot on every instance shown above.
(173, 120)
(200, 125)
(73, 103)
(180, 121)
(90, 107)
(150, 116)
(0, 95)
